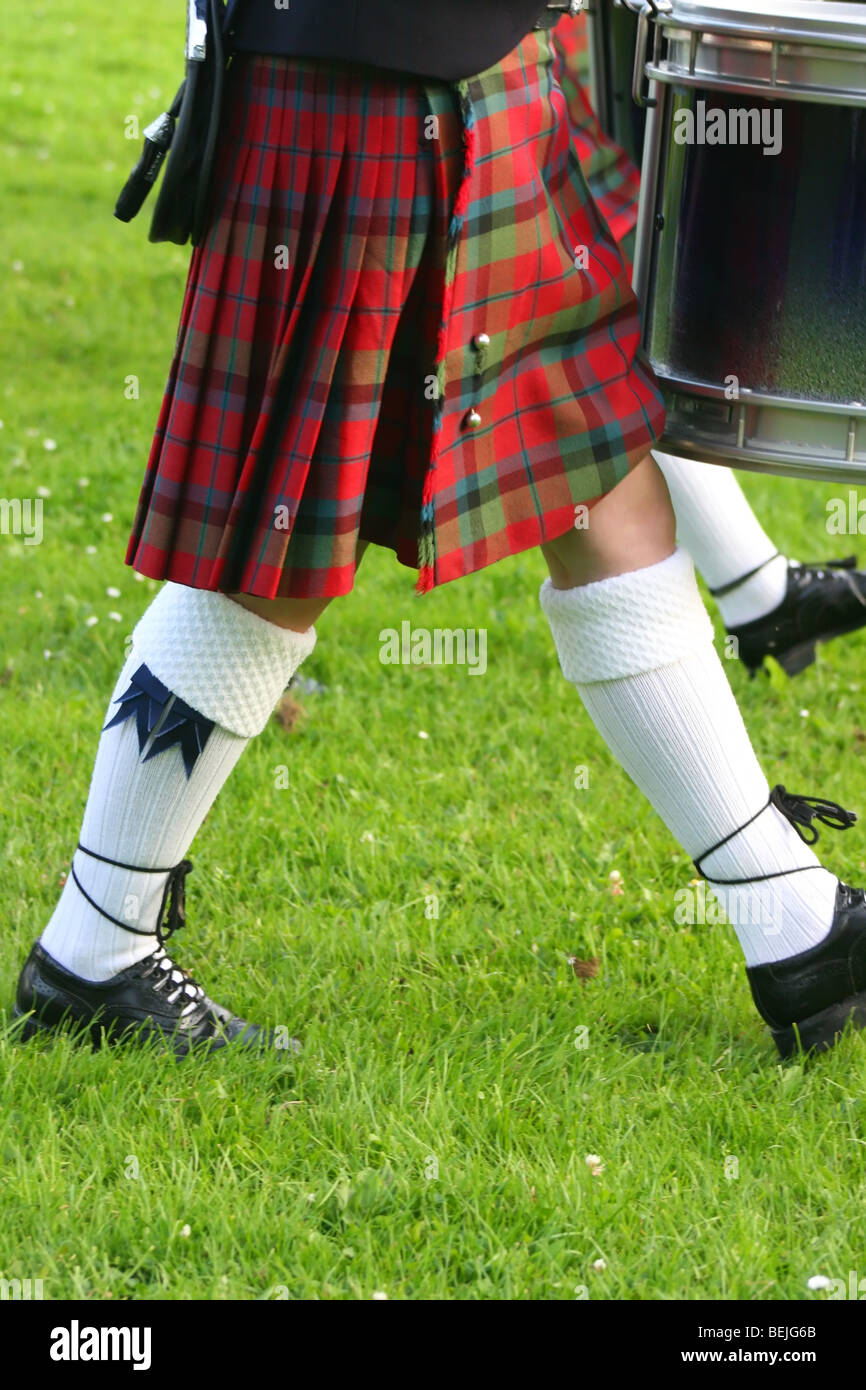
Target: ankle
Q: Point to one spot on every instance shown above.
(755, 596)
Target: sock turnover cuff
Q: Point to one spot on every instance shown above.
(629, 624)
(222, 659)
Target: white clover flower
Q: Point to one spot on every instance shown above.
(50, 445)
(185, 1231)
(594, 1164)
(818, 1281)
(380, 1297)
(106, 516)
(112, 592)
(115, 617)
(43, 492)
(599, 1265)
(90, 550)
(422, 734)
(91, 621)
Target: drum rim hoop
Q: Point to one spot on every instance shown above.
(747, 397)
(751, 22)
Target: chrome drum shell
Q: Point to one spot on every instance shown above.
(751, 267)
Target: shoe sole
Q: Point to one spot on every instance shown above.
(821, 1031)
(97, 1034)
(797, 658)
(792, 661)
(113, 1034)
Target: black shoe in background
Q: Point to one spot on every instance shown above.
(822, 601)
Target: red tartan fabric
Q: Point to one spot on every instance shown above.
(327, 359)
(277, 393)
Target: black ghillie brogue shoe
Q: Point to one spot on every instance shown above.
(151, 1000)
(822, 601)
(809, 998)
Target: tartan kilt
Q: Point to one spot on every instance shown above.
(386, 256)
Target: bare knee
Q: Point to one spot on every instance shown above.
(631, 527)
(299, 614)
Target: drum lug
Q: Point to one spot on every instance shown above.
(650, 9)
(640, 48)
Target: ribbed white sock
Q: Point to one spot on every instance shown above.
(229, 666)
(639, 649)
(725, 539)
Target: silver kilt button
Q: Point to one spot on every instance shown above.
(472, 420)
(481, 340)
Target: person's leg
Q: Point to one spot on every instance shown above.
(771, 605)
(634, 637)
(716, 525)
(291, 614)
(202, 678)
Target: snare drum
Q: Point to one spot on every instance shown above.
(751, 266)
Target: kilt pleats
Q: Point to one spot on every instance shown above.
(365, 229)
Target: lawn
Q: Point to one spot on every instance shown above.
(413, 898)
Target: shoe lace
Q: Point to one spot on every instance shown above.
(806, 573)
(173, 897)
(800, 811)
(172, 916)
(182, 980)
(851, 897)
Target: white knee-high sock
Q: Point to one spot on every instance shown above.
(228, 666)
(718, 528)
(639, 649)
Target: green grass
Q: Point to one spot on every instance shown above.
(430, 1045)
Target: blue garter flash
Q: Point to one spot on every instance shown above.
(147, 698)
